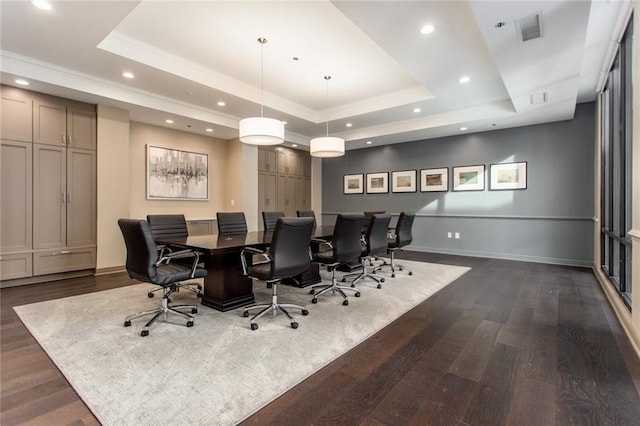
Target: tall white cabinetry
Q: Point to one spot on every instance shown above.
(48, 185)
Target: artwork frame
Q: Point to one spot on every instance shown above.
(508, 176)
(378, 183)
(469, 178)
(434, 180)
(353, 184)
(174, 174)
(403, 181)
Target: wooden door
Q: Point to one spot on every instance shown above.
(81, 197)
(49, 196)
(16, 175)
(81, 127)
(16, 119)
(49, 122)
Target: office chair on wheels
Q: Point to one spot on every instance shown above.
(401, 237)
(344, 247)
(231, 223)
(269, 220)
(144, 264)
(287, 257)
(375, 244)
(167, 226)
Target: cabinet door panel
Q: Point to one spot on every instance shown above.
(16, 119)
(56, 261)
(81, 128)
(18, 265)
(16, 175)
(49, 123)
(49, 196)
(81, 197)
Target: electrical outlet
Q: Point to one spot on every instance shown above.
(233, 203)
(457, 235)
(448, 234)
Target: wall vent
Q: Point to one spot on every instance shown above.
(530, 27)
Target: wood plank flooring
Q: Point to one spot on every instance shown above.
(509, 343)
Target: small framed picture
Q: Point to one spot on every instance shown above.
(433, 180)
(378, 183)
(403, 181)
(507, 176)
(353, 184)
(468, 178)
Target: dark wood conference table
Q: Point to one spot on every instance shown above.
(225, 287)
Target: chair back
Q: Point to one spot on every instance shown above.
(403, 229)
(231, 223)
(307, 213)
(346, 237)
(367, 219)
(168, 226)
(289, 249)
(376, 236)
(142, 253)
(269, 219)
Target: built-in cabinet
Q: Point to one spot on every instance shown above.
(284, 180)
(48, 185)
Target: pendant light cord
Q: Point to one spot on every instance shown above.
(262, 41)
(327, 78)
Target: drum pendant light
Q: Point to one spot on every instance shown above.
(327, 147)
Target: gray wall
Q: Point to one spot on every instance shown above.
(551, 221)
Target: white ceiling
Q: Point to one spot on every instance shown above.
(187, 56)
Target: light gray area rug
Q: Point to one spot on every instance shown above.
(219, 371)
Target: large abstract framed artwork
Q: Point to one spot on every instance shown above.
(507, 176)
(353, 184)
(173, 174)
(434, 180)
(468, 178)
(403, 181)
(377, 183)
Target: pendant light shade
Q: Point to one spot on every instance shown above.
(326, 146)
(261, 130)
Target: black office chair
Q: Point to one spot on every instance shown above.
(167, 226)
(231, 223)
(144, 264)
(345, 247)
(307, 213)
(375, 244)
(288, 256)
(269, 220)
(400, 238)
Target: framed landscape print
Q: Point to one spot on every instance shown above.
(468, 178)
(173, 174)
(378, 183)
(508, 176)
(403, 181)
(432, 180)
(353, 184)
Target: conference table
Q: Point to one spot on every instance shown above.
(225, 286)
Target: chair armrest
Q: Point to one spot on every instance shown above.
(251, 252)
(318, 245)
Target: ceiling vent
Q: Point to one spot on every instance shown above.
(530, 27)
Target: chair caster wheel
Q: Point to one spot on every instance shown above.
(245, 314)
(194, 310)
(345, 302)
(254, 326)
(357, 294)
(149, 295)
(294, 325)
(199, 287)
(312, 291)
(381, 280)
(393, 275)
(400, 269)
(305, 312)
(189, 323)
(199, 295)
(144, 333)
(314, 300)
(410, 273)
(379, 286)
(127, 323)
(343, 280)
(353, 285)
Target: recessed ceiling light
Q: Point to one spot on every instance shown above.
(416, 110)
(221, 103)
(463, 129)
(294, 145)
(348, 124)
(427, 29)
(209, 130)
(168, 121)
(464, 79)
(22, 82)
(42, 4)
(368, 142)
(295, 58)
(128, 74)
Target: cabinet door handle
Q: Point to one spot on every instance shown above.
(69, 197)
(66, 252)
(63, 198)
(64, 138)
(69, 139)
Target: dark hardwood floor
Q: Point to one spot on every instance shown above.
(509, 342)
